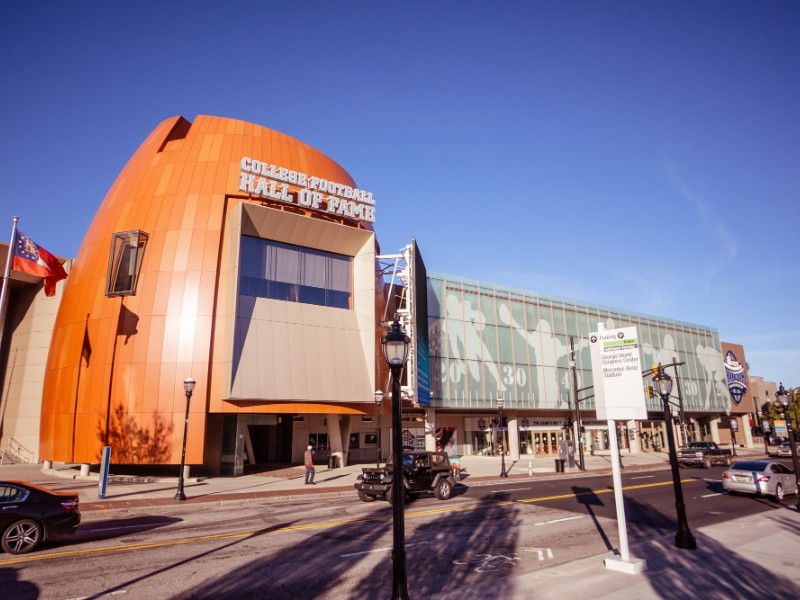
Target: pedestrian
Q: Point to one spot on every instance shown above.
(455, 461)
(308, 459)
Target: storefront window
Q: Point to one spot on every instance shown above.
(319, 441)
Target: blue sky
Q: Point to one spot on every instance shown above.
(642, 155)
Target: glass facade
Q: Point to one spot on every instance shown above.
(487, 339)
(270, 269)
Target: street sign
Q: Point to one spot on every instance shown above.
(617, 374)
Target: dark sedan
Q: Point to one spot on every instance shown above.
(31, 514)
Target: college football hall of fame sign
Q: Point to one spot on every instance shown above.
(734, 370)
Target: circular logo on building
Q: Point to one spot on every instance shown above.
(737, 381)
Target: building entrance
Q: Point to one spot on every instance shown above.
(271, 443)
(250, 440)
(545, 443)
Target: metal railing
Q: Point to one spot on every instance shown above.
(15, 453)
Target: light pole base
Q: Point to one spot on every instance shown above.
(180, 496)
(685, 540)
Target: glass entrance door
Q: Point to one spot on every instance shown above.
(545, 443)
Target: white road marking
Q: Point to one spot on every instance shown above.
(541, 552)
(709, 495)
(644, 477)
(387, 549)
(525, 489)
(492, 483)
(558, 520)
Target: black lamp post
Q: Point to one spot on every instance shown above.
(733, 425)
(502, 439)
(188, 388)
(783, 398)
(578, 426)
(378, 400)
(684, 538)
(395, 351)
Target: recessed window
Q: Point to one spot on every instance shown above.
(270, 269)
(125, 262)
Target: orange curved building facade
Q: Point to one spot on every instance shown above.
(218, 200)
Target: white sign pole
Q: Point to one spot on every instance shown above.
(616, 477)
(619, 394)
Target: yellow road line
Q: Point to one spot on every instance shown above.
(30, 558)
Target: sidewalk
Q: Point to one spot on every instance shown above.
(125, 493)
(752, 557)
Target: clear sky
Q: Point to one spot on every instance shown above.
(637, 154)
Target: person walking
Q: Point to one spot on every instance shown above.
(308, 459)
(455, 461)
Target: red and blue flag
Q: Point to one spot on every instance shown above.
(32, 259)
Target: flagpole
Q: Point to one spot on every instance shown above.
(3, 296)
(6, 275)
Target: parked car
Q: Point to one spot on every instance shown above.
(31, 514)
(785, 449)
(759, 477)
(774, 445)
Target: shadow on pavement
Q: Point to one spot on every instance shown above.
(116, 528)
(710, 572)
(11, 584)
(588, 498)
(435, 558)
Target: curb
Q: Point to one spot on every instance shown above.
(226, 498)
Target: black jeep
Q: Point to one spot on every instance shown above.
(422, 471)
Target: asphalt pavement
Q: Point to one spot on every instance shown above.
(757, 556)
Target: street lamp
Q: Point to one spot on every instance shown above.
(783, 398)
(378, 400)
(395, 350)
(502, 439)
(575, 389)
(663, 387)
(188, 388)
(733, 425)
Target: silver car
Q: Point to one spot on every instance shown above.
(760, 477)
(785, 449)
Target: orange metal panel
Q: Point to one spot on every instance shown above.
(176, 187)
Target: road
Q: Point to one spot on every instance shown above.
(341, 548)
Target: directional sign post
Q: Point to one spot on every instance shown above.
(105, 462)
(619, 396)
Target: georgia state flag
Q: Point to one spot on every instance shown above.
(35, 260)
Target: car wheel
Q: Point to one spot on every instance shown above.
(22, 536)
(706, 463)
(732, 493)
(365, 497)
(727, 461)
(778, 492)
(443, 490)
